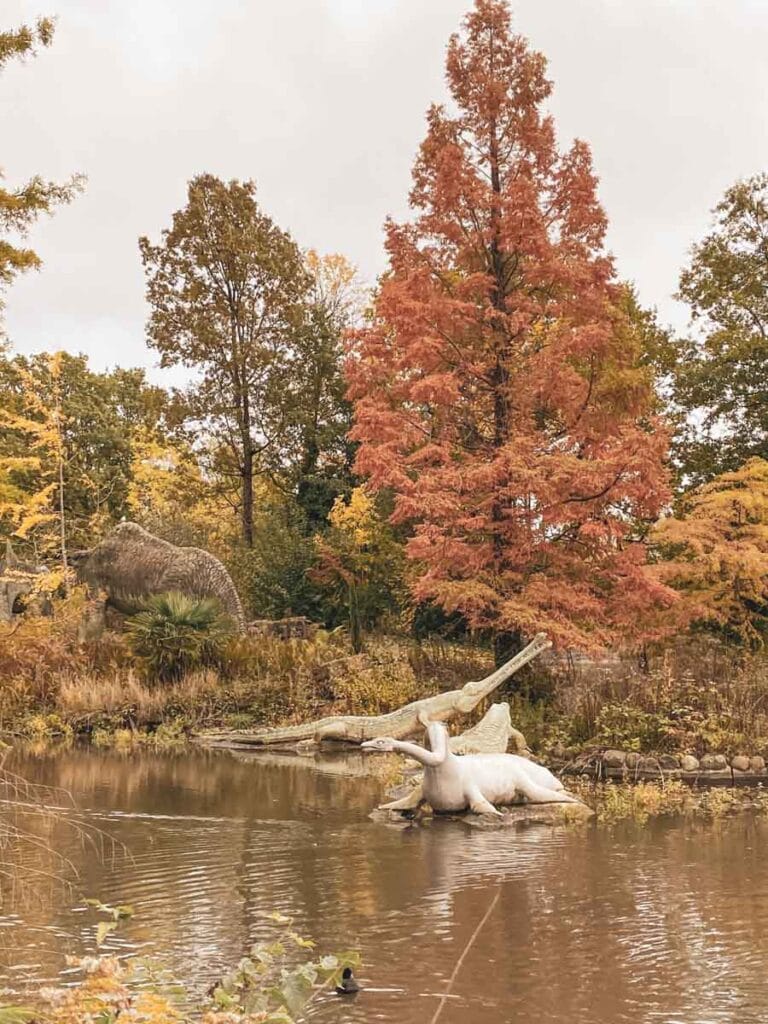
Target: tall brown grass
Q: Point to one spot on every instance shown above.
(696, 695)
(51, 682)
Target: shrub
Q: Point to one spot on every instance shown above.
(175, 634)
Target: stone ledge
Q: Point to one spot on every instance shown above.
(645, 773)
(511, 817)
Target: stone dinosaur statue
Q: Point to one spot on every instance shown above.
(472, 782)
(131, 564)
(492, 735)
(398, 724)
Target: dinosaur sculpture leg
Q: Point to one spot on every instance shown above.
(409, 802)
(478, 804)
(536, 794)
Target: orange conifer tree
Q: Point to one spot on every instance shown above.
(498, 388)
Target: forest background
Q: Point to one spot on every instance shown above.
(496, 438)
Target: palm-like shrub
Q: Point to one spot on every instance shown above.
(174, 634)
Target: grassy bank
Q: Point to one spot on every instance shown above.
(51, 684)
(617, 802)
(694, 697)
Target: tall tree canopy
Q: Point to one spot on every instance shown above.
(499, 389)
(21, 206)
(721, 378)
(225, 288)
(319, 455)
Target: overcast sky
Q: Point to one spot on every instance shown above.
(322, 102)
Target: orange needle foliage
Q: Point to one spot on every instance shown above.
(498, 388)
(717, 554)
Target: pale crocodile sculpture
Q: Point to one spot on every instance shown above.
(472, 782)
(400, 723)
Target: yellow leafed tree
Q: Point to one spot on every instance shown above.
(21, 206)
(33, 466)
(360, 558)
(715, 554)
(170, 495)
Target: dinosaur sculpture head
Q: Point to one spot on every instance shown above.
(381, 745)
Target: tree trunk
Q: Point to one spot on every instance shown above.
(355, 625)
(246, 516)
(506, 644)
(62, 511)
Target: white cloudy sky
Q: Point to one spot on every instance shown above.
(322, 102)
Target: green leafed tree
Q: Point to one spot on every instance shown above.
(225, 288)
(720, 382)
(20, 206)
(319, 454)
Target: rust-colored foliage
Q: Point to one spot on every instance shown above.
(716, 554)
(498, 389)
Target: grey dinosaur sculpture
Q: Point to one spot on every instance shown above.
(131, 564)
(472, 782)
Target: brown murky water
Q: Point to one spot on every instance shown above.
(660, 924)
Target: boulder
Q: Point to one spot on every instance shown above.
(757, 764)
(614, 759)
(669, 762)
(689, 763)
(632, 761)
(296, 627)
(713, 763)
(649, 764)
(740, 763)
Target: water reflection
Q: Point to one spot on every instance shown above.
(658, 924)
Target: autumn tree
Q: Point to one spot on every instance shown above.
(498, 391)
(361, 561)
(21, 206)
(99, 415)
(714, 553)
(225, 288)
(170, 496)
(720, 379)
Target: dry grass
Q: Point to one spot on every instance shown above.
(615, 802)
(696, 696)
(51, 684)
(33, 821)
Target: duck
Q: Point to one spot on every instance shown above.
(349, 985)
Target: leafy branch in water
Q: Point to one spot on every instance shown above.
(266, 986)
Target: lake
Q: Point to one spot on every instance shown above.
(663, 923)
